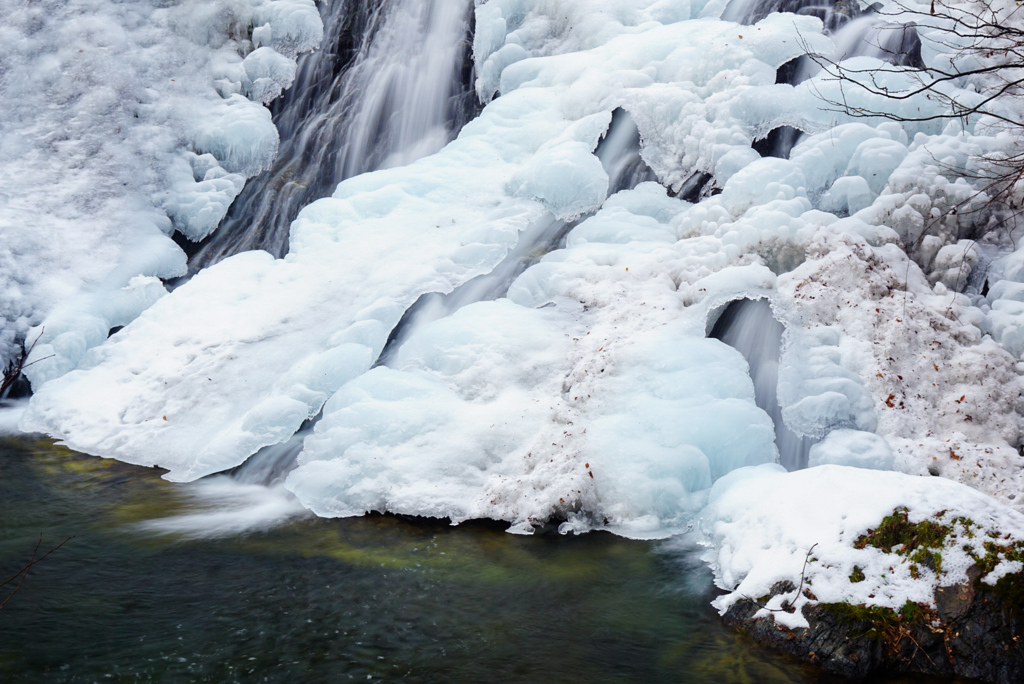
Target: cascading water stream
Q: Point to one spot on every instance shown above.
(749, 327)
(619, 152)
(392, 83)
(856, 31)
(869, 35)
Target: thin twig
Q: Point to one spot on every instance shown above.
(907, 634)
(787, 604)
(23, 572)
(803, 570)
(14, 371)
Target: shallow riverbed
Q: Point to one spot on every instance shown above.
(163, 583)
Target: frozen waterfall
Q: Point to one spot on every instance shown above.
(502, 311)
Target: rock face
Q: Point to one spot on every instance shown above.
(975, 630)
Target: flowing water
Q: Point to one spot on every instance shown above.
(392, 82)
(619, 152)
(150, 589)
(749, 327)
(857, 31)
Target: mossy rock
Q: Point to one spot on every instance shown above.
(975, 629)
(975, 632)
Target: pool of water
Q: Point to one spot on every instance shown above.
(162, 583)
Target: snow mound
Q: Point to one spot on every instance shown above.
(764, 526)
(554, 403)
(853, 448)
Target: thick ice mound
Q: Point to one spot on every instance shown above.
(120, 122)
(259, 345)
(589, 393)
(761, 523)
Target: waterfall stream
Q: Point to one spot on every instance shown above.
(392, 82)
(749, 327)
(856, 31)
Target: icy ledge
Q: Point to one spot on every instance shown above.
(859, 570)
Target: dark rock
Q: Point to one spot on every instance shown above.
(19, 388)
(778, 143)
(975, 632)
(694, 187)
(832, 642)
(955, 601)
(787, 73)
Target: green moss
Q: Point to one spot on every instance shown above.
(1010, 587)
(920, 542)
(857, 575)
(875, 620)
(898, 535)
(923, 542)
(928, 558)
(967, 524)
(878, 622)
(912, 612)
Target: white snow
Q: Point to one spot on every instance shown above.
(518, 411)
(852, 448)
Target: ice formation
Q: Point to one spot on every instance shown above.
(585, 232)
(390, 84)
(121, 122)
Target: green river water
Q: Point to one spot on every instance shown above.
(313, 600)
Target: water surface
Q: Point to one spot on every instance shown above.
(313, 600)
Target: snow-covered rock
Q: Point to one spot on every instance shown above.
(824, 526)
(860, 571)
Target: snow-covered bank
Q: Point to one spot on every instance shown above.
(121, 122)
(860, 570)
